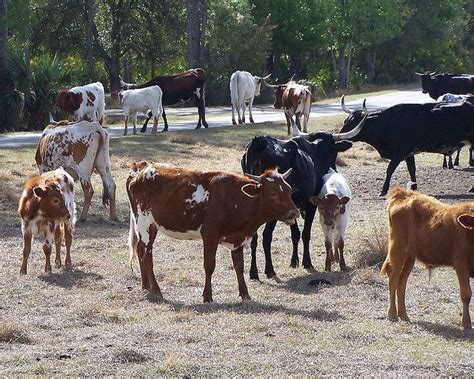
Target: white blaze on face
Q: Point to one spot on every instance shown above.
(200, 195)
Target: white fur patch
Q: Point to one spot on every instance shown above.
(187, 235)
(200, 195)
(149, 172)
(198, 93)
(270, 179)
(143, 221)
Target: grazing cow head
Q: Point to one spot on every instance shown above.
(68, 101)
(330, 206)
(275, 193)
(466, 221)
(51, 201)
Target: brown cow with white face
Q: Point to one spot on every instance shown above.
(217, 207)
(47, 206)
(295, 99)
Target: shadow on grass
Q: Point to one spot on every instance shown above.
(301, 284)
(460, 197)
(449, 332)
(69, 279)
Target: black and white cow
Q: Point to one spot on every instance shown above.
(178, 88)
(309, 160)
(400, 132)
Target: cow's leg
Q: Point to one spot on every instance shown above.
(135, 123)
(445, 163)
(47, 255)
(108, 196)
(456, 161)
(340, 250)
(239, 109)
(243, 112)
(210, 247)
(288, 123)
(57, 244)
(329, 256)
(267, 248)
(396, 254)
(27, 236)
(298, 120)
(88, 192)
(450, 162)
(410, 161)
(125, 131)
(253, 262)
(306, 119)
(402, 285)
(68, 229)
(471, 156)
(165, 121)
(233, 115)
(145, 255)
(390, 170)
(250, 111)
(238, 260)
(295, 239)
(308, 222)
(154, 130)
(202, 108)
(462, 272)
(148, 116)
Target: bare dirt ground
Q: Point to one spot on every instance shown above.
(96, 319)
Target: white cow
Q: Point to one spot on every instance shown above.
(244, 87)
(141, 100)
(84, 102)
(334, 208)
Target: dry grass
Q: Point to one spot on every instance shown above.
(375, 251)
(13, 333)
(95, 320)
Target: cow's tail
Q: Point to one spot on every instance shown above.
(103, 165)
(132, 240)
(234, 91)
(385, 270)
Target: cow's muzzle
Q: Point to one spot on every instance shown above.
(291, 217)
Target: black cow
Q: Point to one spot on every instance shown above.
(178, 88)
(310, 160)
(437, 85)
(401, 131)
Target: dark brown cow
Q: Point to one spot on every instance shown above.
(178, 88)
(295, 99)
(217, 207)
(422, 228)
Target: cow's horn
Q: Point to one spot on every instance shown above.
(343, 106)
(287, 173)
(254, 177)
(266, 77)
(51, 119)
(417, 73)
(351, 133)
(364, 108)
(245, 193)
(293, 76)
(295, 132)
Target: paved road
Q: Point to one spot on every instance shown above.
(221, 116)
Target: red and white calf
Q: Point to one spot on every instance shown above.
(334, 208)
(141, 100)
(83, 102)
(47, 208)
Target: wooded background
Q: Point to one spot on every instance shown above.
(331, 44)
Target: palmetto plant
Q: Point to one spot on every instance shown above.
(40, 86)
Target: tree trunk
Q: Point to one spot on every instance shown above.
(371, 59)
(196, 20)
(90, 39)
(296, 64)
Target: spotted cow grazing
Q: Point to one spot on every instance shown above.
(422, 228)
(334, 208)
(217, 207)
(47, 208)
(80, 148)
(83, 102)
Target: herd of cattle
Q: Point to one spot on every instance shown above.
(283, 180)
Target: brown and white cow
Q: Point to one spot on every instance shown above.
(80, 147)
(217, 207)
(83, 102)
(295, 99)
(422, 228)
(47, 208)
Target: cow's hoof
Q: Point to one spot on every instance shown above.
(472, 189)
(234, 122)
(308, 266)
(294, 264)
(208, 300)
(277, 279)
(124, 133)
(246, 298)
(254, 276)
(383, 193)
(58, 264)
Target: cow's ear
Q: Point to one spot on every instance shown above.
(39, 192)
(344, 199)
(343, 146)
(466, 221)
(315, 200)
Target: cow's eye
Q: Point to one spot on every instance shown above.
(273, 194)
(55, 201)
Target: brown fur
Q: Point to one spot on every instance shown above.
(422, 228)
(228, 215)
(68, 101)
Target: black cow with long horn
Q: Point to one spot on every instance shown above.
(310, 157)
